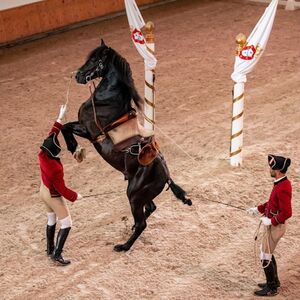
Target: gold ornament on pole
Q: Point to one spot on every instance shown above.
(241, 41)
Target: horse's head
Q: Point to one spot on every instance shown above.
(104, 60)
(95, 65)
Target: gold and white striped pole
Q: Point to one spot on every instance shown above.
(237, 113)
(149, 104)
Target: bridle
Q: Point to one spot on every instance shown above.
(98, 70)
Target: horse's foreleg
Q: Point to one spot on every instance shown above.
(69, 129)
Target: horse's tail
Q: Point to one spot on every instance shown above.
(179, 192)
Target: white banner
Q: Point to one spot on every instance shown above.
(136, 22)
(251, 52)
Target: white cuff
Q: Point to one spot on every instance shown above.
(265, 256)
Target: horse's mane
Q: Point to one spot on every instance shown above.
(125, 73)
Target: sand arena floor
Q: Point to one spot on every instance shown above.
(199, 252)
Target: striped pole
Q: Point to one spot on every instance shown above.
(237, 113)
(237, 125)
(149, 104)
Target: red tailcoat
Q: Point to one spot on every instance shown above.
(279, 206)
(52, 172)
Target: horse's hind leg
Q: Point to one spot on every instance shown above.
(137, 209)
(150, 207)
(147, 183)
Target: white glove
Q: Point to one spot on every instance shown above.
(266, 221)
(79, 197)
(62, 111)
(253, 211)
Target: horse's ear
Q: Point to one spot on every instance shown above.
(102, 42)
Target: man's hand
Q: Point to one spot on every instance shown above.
(62, 111)
(266, 221)
(253, 211)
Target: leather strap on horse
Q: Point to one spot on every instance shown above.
(95, 117)
(130, 115)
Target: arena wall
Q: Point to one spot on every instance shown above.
(40, 18)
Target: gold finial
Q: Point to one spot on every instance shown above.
(241, 41)
(149, 28)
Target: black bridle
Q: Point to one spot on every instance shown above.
(98, 70)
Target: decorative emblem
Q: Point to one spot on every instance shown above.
(244, 51)
(137, 36)
(247, 52)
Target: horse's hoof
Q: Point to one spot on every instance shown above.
(79, 154)
(189, 202)
(121, 247)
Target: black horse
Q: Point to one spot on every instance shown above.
(111, 101)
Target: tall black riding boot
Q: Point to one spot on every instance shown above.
(276, 273)
(262, 285)
(50, 233)
(270, 289)
(60, 241)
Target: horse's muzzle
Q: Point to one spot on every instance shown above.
(80, 78)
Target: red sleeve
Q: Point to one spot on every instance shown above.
(285, 206)
(261, 208)
(60, 187)
(56, 128)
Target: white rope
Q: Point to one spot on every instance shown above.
(266, 234)
(167, 136)
(68, 89)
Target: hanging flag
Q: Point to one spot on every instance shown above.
(136, 22)
(250, 50)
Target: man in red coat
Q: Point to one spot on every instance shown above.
(53, 192)
(275, 213)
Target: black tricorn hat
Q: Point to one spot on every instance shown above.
(278, 163)
(51, 145)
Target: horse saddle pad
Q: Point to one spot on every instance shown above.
(128, 133)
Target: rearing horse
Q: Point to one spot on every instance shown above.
(109, 103)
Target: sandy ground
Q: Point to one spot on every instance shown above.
(201, 252)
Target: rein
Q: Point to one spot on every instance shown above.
(94, 111)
